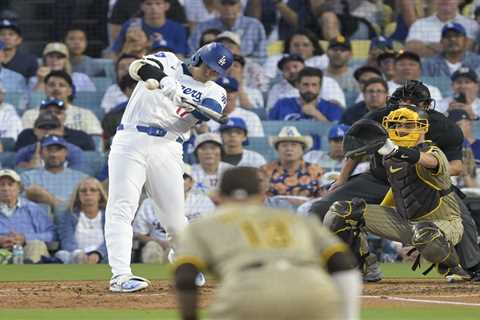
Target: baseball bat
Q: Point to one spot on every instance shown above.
(209, 113)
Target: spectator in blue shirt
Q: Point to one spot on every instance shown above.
(22, 221)
(12, 80)
(53, 184)
(308, 105)
(80, 229)
(464, 121)
(157, 27)
(230, 18)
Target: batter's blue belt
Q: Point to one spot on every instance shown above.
(153, 131)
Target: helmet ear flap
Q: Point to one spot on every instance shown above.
(196, 60)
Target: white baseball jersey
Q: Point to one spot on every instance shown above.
(151, 108)
(205, 182)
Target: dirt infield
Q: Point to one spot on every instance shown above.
(94, 294)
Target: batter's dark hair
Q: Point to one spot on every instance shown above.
(240, 183)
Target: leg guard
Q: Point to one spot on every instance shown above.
(432, 244)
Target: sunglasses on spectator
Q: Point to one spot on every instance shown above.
(52, 102)
(85, 190)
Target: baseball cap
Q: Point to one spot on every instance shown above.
(56, 47)
(207, 137)
(52, 102)
(340, 42)
(289, 57)
(229, 36)
(10, 24)
(228, 83)
(10, 173)
(408, 55)
(453, 26)
(47, 120)
(381, 43)
(458, 114)
(358, 73)
(465, 72)
(53, 140)
(337, 131)
(234, 122)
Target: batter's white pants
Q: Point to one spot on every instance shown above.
(137, 159)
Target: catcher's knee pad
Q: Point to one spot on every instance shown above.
(349, 210)
(433, 245)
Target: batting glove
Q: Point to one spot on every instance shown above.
(388, 148)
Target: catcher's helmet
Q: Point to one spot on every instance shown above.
(405, 125)
(413, 91)
(215, 55)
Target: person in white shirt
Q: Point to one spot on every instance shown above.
(234, 136)
(114, 95)
(147, 226)
(465, 86)
(425, 34)
(207, 172)
(408, 66)
(10, 123)
(254, 124)
(290, 65)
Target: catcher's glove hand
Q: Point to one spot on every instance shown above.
(364, 137)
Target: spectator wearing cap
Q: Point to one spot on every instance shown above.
(230, 17)
(408, 66)
(77, 43)
(56, 58)
(11, 80)
(15, 59)
(156, 26)
(209, 36)
(22, 221)
(59, 85)
(53, 124)
(309, 105)
(254, 124)
(465, 87)
(10, 123)
(291, 65)
(54, 183)
(114, 95)
(208, 153)
(112, 119)
(362, 75)
(378, 45)
(147, 226)
(339, 55)
(290, 175)
(425, 34)
(29, 157)
(253, 72)
(386, 64)
(304, 43)
(453, 55)
(234, 136)
(374, 93)
(471, 150)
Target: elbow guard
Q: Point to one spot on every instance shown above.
(145, 69)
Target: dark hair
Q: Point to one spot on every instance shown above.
(213, 31)
(125, 56)
(75, 27)
(375, 80)
(60, 74)
(310, 72)
(317, 50)
(126, 82)
(240, 182)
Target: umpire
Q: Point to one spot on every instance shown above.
(372, 186)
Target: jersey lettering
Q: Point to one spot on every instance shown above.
(196, 95)
(274, 233)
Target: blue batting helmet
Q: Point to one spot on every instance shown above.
(215, 55)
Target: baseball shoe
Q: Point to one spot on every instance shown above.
(372, 272)
(128, 283)
(457, 274)
(475, 276)
(200, 280)
(171, 256)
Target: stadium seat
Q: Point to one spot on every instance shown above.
(91, 101)
(8, 144)
(17, 99)
(95, 161)
(443, 84)
(98, 140)
(102, 83)
(261, 145)
(35, 99)
(7, 159)
(260, 112)
(108, 66)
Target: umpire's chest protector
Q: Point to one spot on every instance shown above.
(413, 197)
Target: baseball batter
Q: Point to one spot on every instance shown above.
(147, 149)
(420, 208)
(272, 264)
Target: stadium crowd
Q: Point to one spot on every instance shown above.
(303, 72)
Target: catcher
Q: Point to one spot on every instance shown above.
(271, 264)
(420, 208)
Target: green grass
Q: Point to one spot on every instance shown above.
(421, 312)
(61, 272)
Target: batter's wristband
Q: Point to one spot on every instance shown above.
(150, 72)
(410, 155)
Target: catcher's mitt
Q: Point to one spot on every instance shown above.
(364, 137)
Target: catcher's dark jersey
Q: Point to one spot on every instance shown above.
(443, 132)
